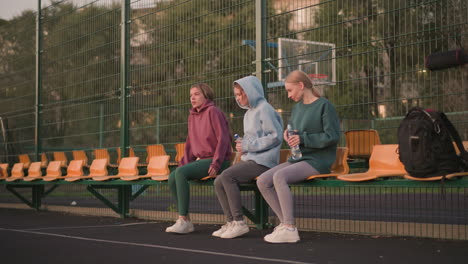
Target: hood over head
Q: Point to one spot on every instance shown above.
(253, 89)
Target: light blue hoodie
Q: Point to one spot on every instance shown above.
(263, 127)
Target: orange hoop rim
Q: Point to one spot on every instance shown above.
(315, 76)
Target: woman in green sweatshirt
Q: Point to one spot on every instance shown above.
(316, 122)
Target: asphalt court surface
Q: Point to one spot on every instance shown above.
(28, 236)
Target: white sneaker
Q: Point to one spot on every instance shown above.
(272, 234)
(181, 226)
(237, 229)
(283, 234)
(223, 229)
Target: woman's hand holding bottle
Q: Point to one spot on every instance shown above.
(294, 141)
(238, 141)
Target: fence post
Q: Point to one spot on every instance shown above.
(260, 40)
(124, 76)
(101, 125)
(38, 84)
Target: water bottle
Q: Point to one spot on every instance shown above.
(295, 151)
(237, 137)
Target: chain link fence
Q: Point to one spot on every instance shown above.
(87, 74)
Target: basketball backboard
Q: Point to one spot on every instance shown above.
(317, 59)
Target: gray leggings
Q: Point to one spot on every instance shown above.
(227, 187)
(273, 184)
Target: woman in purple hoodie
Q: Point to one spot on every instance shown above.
(207, 151)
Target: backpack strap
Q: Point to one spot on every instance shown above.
(433, 120)
(455, 137)
(426, 115)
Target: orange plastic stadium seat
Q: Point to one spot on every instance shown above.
(448, 176)
(384, 162)
(154, 150)
(434, 178)
(17, 172)
(34, 171)
(24, 158)
(98, 168)
(339, 167)
(457, 174)
(180, 149)
(360, 143)
(103, 154)
(127, 167)
(53, 170)
(131, 153)
(465, 145)
(235, 158)
(284, 155)
(119, 155)
(80, 155)
(60, 156)
(44, 160)
(74, 169)
(3, 171)
(158, 169)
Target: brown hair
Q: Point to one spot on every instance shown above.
(238, 86)
(298, 76)
(206, 90)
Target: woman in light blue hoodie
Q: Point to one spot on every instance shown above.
(259, 147)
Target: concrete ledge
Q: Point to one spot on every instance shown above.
(374, 228)
(380, 228)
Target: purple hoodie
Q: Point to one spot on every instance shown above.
(208, 136)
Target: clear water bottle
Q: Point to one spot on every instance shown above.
(295, 151)
(237, 137)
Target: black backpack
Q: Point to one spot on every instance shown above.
(425, 144)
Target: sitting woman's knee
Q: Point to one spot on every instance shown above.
(180, 175)
(263, 182)
(226, 175)
(172, 176)
(218, 181)
(279, 179)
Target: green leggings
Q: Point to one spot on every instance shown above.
(179, 181)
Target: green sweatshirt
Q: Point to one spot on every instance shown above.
(319, 129)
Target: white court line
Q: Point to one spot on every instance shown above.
(158, 246)
(92, 226)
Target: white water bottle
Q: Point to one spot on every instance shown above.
(295, 151)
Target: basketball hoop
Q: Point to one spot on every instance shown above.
(316, 59)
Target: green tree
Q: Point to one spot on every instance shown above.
(190, 42)
(381, 47)
(81, 67)
(17, 68)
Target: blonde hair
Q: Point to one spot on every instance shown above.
(206, 90)
(298, 76)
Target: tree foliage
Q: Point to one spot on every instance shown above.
(381, 47)
(173, 44)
